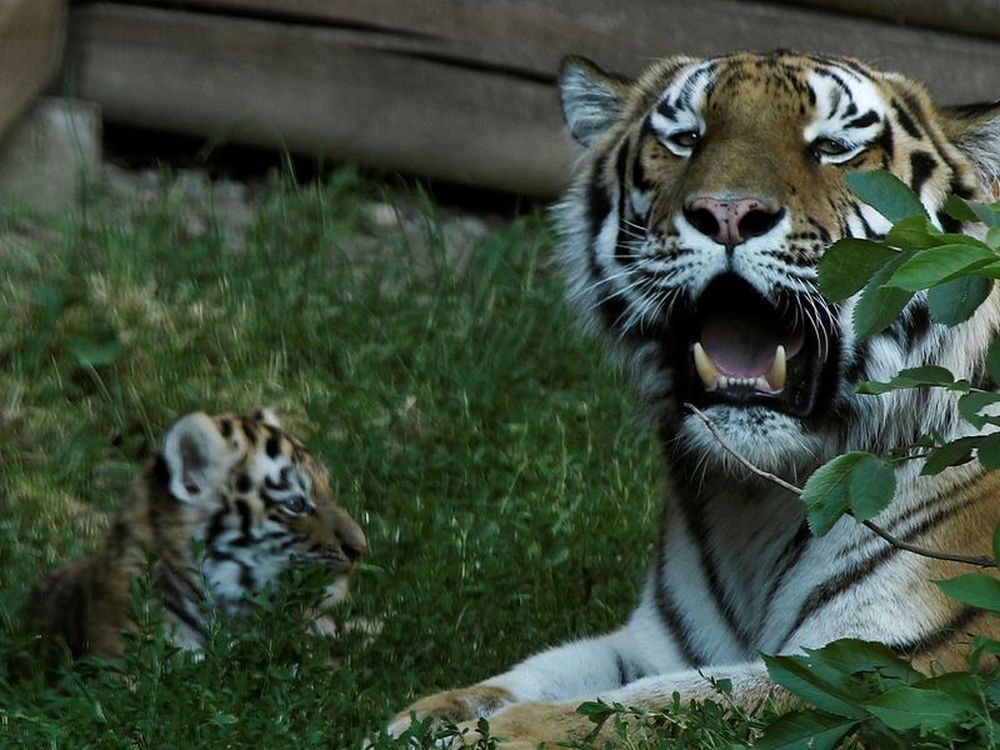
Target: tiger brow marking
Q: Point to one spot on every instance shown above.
(249, 430)
(273, 445)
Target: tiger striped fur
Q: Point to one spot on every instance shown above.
(706, 194)
(227, 506)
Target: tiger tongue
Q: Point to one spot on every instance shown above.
(744, 346)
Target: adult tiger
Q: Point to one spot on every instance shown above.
(707, 193)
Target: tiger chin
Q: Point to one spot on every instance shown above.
(705, 196)
(228, 505)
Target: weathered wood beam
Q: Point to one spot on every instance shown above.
(948, 45)
(456, 89)
(979, 18)
(320, 90)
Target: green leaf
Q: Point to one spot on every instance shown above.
(828, 691)
(975, 589)
(871, 487)
(827, 492)
(988, 451)
(928, 268)
(91, 353)
(955, 301)
(971, 405)
(848, 265)
(915, 233)
(914, 377)
(964, 210)
(962, 685)
(993, 360)
(51, 300)
(879, 306)
(996, 544)
(950, 454)
(909, 707)
(993, 687)
(805, 730)
(597, 711)
(852, 656)
(857, 482)
(983, 646)
(886, 193)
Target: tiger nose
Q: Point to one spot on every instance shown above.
(731, 222)
(349, 534)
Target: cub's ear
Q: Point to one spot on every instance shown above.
(197, 457)
(975, 130)
(591, 98)
(268, 417)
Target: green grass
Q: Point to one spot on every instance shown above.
(508, 492)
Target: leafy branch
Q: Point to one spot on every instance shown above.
(978, 561)
(863, 689)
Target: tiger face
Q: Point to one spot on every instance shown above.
(708, 193)
(262, 503)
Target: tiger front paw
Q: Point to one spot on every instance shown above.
(464, 704)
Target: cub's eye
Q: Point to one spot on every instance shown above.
(830, 147)
(296, 504)
(686, 138)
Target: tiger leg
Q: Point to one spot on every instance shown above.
(525, 725)
(572, 672)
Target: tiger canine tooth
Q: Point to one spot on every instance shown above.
(706, 368)
(776, 375)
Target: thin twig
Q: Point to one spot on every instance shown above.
(739, 456)
(979, 562)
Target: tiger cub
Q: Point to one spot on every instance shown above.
(228, 505)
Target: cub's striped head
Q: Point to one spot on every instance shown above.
(708, 192)
(258, 501)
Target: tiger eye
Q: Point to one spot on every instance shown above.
(829, 147)
(296, 504)
(686, 138)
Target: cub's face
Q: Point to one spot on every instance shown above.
(708, 194)
(262, 503)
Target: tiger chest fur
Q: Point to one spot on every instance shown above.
(706, 194)
(229, 504)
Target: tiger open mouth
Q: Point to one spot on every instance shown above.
(733, 346)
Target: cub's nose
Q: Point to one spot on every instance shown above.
(349, 534)
(731, 222)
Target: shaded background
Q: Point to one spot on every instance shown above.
(457, 90)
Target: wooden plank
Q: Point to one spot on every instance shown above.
(320, 90)
(31, 43)
(454, 89)
(531, 36)
(976, 17)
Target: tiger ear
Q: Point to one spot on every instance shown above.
(975, 130)
(268, 417)
(196, 456)
(591, 98)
